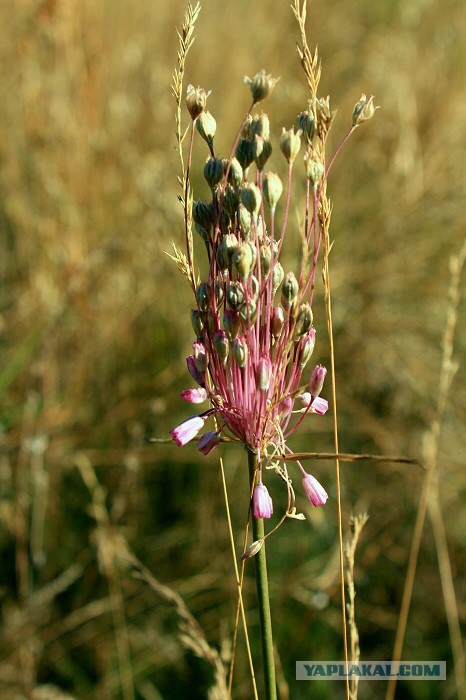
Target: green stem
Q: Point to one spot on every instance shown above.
(263, 593)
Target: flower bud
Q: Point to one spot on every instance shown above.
(290, 290)
(245, 221)
(198, 322)
(232, 324)
(314, 170)
(221, 345)
(225, 251)
(200, 357)
(248, 313)
(363, 110)
(244, 153)
(277, 321)
(213, 172)
(243, 259)
(198, 377)
(261, 150)
(306, 124)
(285, 407)
(265, 255)
(206, 126)
(290, 143)
(254, 287)
(218, 288)
(203, 296)
(230, 200)
(272, 189)
(304, 319)
(306, 347)
(314, 490)
(195, 395)
(278, 275)
(262, 505)
(251, 198)
(263, 373)
(203, 233)
(240, 352)
(316, 381)
(235, 295)
(187, 430)
(208, 442)
(235, 174)
(202, 213)
(261, 85)
(260, 126)
(196, 100)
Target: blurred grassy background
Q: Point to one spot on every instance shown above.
(92, 360)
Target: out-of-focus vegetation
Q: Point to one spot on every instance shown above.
(94, 324)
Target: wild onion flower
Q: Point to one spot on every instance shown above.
(252, 319)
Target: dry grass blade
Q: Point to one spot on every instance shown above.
(356, 525)
(431, 446)
(192, 635)
(348, 457)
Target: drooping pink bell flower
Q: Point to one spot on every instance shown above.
(316, 381)
(318, 405)
(187, 430)
(314, 490)
(262, 505)
(195, 395)
(198, 377)
(208, 442)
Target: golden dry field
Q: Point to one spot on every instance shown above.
(95, 328)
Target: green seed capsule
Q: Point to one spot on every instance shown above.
(235, 295)
(240, 352)
(198, 322)
(303, 320)
(225, 251)
(278, 275)
(272, 189)
(213, 172)
(203, 296)
(232, 324)
(290, 290)
(243, 259)
(248, 313)
(244, 153)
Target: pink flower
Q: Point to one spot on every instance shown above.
(314, 490)
(261, 502)
(198, 377)
(194, 395)
(187, 430)
(318, 405)
(316, 381)
(208, 442)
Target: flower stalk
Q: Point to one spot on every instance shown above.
(262, 586)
